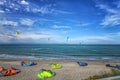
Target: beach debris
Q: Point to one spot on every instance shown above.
(45, 74)
(56, 66)
(82, 63)
(28, 64)
(17, 33)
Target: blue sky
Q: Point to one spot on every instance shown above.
(83, 21)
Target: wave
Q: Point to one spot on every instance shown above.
(59, 58)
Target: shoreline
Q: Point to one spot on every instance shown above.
(59, 60)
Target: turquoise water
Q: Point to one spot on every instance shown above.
(60, 52)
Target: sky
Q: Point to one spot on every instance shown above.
(60, 21)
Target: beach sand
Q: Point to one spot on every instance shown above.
(70, 70)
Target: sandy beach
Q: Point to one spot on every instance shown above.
(70, 70)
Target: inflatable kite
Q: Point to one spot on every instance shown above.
(28, 64)
(9, 72)
(56, 66)
(82, 63)
(115, 66)
(45, 74)
(17, 33)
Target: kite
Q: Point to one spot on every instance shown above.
(17, 33)
(48, 39)
(67, 39)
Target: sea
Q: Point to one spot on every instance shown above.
(60, 52)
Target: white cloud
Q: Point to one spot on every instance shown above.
(93, 39)
(31, 7)
(8, 10)
(8, 22)
(24, 2)
(27, 22)
(97, 38)
(106, 8)
(6, 35)
(58, 27)
(112, 18)
(1, 3)
(41, 36)
(32, 36)
(24, 5)
(43, 9)
(34, 8)
(1, 11)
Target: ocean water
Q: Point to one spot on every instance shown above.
(60, 52)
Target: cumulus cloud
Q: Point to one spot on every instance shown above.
(27, 22)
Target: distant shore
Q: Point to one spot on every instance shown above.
(70, 71)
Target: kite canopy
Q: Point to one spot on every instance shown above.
(45, 74)
(115, 66)
(48, 39)
(17, 33)
(67, 39)
(28, 64)
(9, 72)
(56, 66)
(82, 63)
